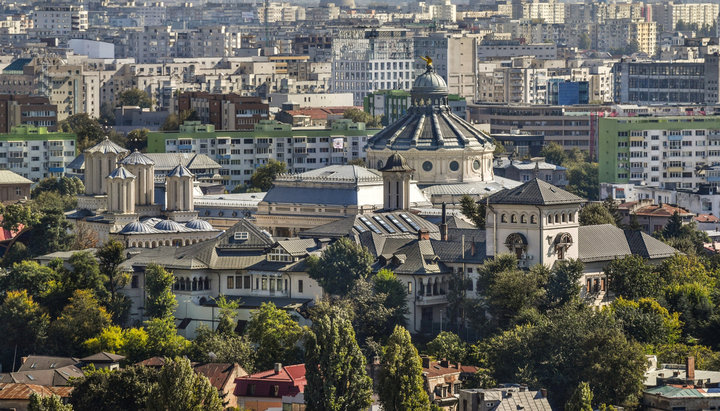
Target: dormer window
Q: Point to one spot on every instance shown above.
(241, 236)
(279, 254)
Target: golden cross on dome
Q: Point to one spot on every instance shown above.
(427, 59)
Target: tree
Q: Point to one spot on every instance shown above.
(87, 129)
(340, 265)
(377, 308)
(634, 223)
(51, 201)
(581, 399)
(137, 139)
(473, 210)
(631, 277)
(513, 290)
(161, 302)
(30, 276)
(17, 215)
(130, 342)
(357, 115)
(693, 302)
(64, 186)
(179, 387)
(135, 97)
(448, 346)
(563, 285)
(612, 207)
(81, 319)
(673, 228)
(646, 321)
(583, 180)
(173, 121)
(163, 339)
(276, 336)
(24, 322)
(264, 175)
(85, 237)
(52, 233)
(226, 317)
(126, 389)
(554, 153)
(17, 253)
(401, 384)
(49, 403)
(209, 346)
(334, 365)
(111, 255)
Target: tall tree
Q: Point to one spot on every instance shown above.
(447, 345)
(226, 317)
(401, 384)
(17, 215)
(334, 366)
(583, 180)
(81, 319)
(554, 153)
(24, 322)
(581, 399)
(179, 387)
(340, 265)
(64, 186)
(162, 338)
(263, 177)
(673, 228)
(111, 255)
(209, 346)
(137, 139)
(473, 210)
(135, 97)
(87, 129)
(595, 214)
(52, 233)
(161, 302)
(276, 336)
(646, 321)
(126, 389)
(632, 277)
(563, 285)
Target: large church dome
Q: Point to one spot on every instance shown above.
(438, 144)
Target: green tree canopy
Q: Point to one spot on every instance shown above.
(162, 338)
(340, 265)
(209, 346)
(49, 403)
(563, 285)
(632, 277)
(359, 116)
(126, 389)
(25, 324)
(87, 129)
(137, 139)
(80, 320)
(263, 177)
(401, 384)
(179, 387)
(64, 186)
(334, 365)
(581, 399)
(275, 335)
(583, 180)
(161, 302)
(473, 210)
(135, 97)
(554, 153)
(646, 321)
(447, 345)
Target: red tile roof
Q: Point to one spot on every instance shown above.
(218, 373)
(706, 218)
(21, 391)
(664, 210)
(436, 369)
(290, 380)
(7, 234)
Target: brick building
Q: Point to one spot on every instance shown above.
(17, 109)
(225, 111)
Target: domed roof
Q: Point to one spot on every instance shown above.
(168, 225)
(429, 123)
(137, 157)
(180, 171)
(396, 162)
(198, 224)
(121, 173)
(106, 146)
(136, 227)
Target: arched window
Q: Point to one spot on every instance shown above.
(523, 219)
(571, 217)
(564, 218)
(550, 219)
(557, 218)
(533, 219)
(503, 218)
(513, 218)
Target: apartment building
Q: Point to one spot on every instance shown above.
(504, 49)
(521, 80)
(18, 109)
(669, 14)
(241, 152)
(676, 82)
(454, 59)
(366, 60)
(53, 20)
(569, 126)
(549, 11)
(225, 111)
(35, 153)
(670, 152)
(618, 34)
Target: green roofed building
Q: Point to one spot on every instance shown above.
(36, 153)
(241, 152)
(670, 152)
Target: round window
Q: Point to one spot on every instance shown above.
(476, 165)
(427, 166)
(454, 166)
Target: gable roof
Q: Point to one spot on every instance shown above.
(535, 192)
(103, 357)
(46, 362)
(9, 177)
(289, 379)
(22, 391)
(605, 242)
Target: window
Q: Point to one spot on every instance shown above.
(230, 282)
(409, 288)
(238, 282)
(134, 282)
(300, 286)
(246, 282)
(503, 218)
(523, 219)
(533, 219)
(513, 218)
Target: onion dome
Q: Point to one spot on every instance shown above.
(136, 227)
(180, 171)
(121, 173)
(198, 224)
(106, 146)
(168, 225)
(138, 158)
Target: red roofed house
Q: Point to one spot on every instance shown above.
(443, 381)
(16, 396)
(650, 216)
(311, 117)
(265, 389)
(707, 222)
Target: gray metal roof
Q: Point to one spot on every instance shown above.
(121, 173)
(535, 192)
(106, 146)
(334, 173)
(137, 157)
(9, 177)
(310, 195)
(481, 188)
(606, 242)
(180, 171)
(168, 161)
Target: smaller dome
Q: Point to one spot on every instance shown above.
(168, 225)
(396, 162)
(198, 224)
(429, 82)
(121, 173)
(137, 158)
(136, 227)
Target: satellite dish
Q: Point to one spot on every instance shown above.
(212, 356)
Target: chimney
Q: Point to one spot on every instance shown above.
(425, 361)
(423, 234)
(690, 368)
(543, 392)
(443, 224)
(444, 363)
(277, 368)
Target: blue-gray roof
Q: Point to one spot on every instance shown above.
(307, 195)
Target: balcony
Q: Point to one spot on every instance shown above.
(185, 146)
(431, 299)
